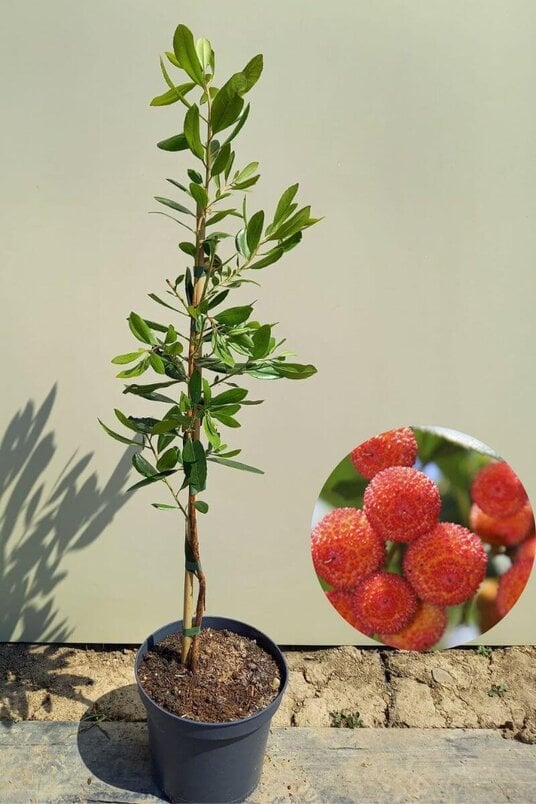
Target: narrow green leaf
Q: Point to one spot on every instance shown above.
(284, 203)
(140, 330)
(294, 371)
(136, 371)
(230, 396)
(241, 243)
(157, 363)
(177, 142)
(169, 202)
(194, 387)
(228, 103)
(254, 230)
(188, 248)
(186, 55)
(199, 194)
(165, 426)
(236, 130)
(168, 460)
(234, 464)
(234, 315)
(127, 358)
(293, 225)
(157, 299)
(253, 71)
(174, 94)
(201, 506)
(195, 465)
(191, 131)
(220, 163)
(118, 437)
(149, 480)
(268, 259)
(228, 421)
(173, 59)
(164, 506)
(261, 341)
(142, 466)
(205, 54)
(195, 176)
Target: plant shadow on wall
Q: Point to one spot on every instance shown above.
(44, 515)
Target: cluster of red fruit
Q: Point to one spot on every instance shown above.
(443, 564)
(502, 516)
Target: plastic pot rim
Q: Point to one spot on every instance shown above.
(218, 724)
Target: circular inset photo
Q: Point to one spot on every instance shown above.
(423, 538)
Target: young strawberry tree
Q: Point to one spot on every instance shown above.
(200, 361)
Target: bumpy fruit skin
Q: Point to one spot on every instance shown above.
(385, 602)
(498, 491)
(507, 531)
(344, 602)
(345, 548)
(422, 633)
(527, 549)
(446, 566)
(511, 585)
(402, 503)
(393, 448)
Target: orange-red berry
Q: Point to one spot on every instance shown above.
(345, 548)
(394, 448)
(527, 549)
(344, 602)
(385, 602)
(511, 585)
(422, 633)
(507, 531)
(402, 503)
(447, 565)
(497, 490)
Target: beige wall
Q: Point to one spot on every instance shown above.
(411, 127)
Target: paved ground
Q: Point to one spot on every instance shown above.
(66, 763)
(370, 688)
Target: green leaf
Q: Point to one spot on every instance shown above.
(243, 185)
(268, 259)
(149, 480)
(157, 299)
(205, 54)
(164, 506)
(199, 194)
(177, 142)
(188, 248)
(234, 464)
(261, 341)
(173, 59)
(236, 130)
(168, 202)
(186, 54)
(127, 358)
(241, 243)
(221, 214)
(194, 387)
(284, 203)
(174, 94)
(136, 371)
(217, 299)
(142, 390)
(228, 397)
(211, 432)
(225, 419)
(169, 459)
(178, 185)
(254, 230)
(139, 425)
(191, 131)
(234, 315)
(220, 163)
(165, 426)
(298, 221)
(195, 176)
(246, 172)
(142, 466)
(252, 71)
(118, 437)
(201, 506)
(294, 371)
(140, 330)
(157, 363)
(195, 465)
(228, 103)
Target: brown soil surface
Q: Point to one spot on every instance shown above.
(234, 677)
(449, 689)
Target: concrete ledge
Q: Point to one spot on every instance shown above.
(61, 763)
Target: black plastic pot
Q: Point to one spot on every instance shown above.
(209, 762)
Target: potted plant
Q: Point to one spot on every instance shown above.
(212, 685)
